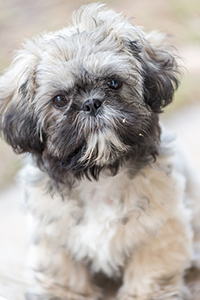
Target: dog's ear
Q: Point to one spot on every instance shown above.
(18, 121)
(159, 69)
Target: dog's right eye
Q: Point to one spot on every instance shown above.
(60, 101)
(114, 84)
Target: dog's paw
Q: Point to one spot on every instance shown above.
(153, 297)
(150, 298)
(183, 295)
(167, 297)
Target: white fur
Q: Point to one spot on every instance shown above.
(105, 223)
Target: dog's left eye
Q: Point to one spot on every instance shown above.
(114, 84)
(60, 101)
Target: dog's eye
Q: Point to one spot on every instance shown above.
(60, 101)
(114, 84)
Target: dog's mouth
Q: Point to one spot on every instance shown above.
(90, 154)
(73, 157)
(90, 150)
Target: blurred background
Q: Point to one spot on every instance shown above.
(20, 19)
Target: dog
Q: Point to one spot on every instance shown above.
(106, 192)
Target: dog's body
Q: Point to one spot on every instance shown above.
(106, 193)
(135, 227)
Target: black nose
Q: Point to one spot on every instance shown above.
(91, 107)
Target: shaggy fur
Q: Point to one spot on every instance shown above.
(105, 193)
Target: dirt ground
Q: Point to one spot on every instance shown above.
(21, 19)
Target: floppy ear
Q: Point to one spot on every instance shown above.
(159, 68)
(17, 86)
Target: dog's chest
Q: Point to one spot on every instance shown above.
(91, 239)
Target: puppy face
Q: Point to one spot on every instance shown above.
(86, 98)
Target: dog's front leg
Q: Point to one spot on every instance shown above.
(55, 275)
(155, 271)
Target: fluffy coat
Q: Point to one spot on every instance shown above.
(105, 191)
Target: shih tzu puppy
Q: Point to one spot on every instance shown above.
(105, 193)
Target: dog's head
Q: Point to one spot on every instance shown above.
(87, 98)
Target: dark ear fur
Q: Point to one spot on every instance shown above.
(19, 127)
(17, 119)
(160, 71)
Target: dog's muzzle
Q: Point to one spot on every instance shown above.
(92, 106)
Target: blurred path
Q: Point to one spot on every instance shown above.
(185, 123)
(13, 246)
